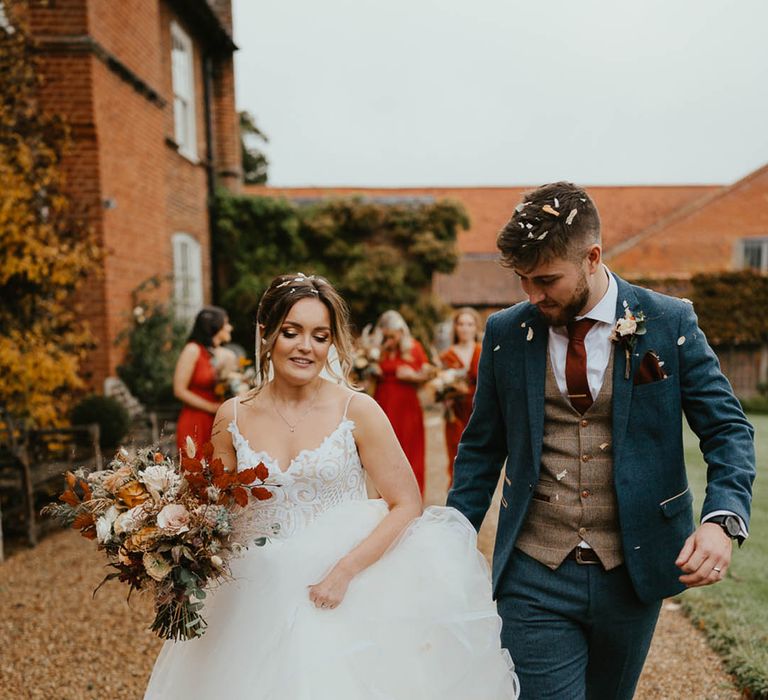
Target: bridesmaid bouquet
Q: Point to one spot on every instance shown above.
(234, 376)
(365, 362)
(449, 385)
(166, 528)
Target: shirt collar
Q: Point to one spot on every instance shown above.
(605, 309)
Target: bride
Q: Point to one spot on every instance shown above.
(350, 598)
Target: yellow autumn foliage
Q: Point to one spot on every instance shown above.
(45, 253)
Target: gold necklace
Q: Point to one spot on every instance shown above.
(292, 426)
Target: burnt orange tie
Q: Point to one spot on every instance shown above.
(576, 364)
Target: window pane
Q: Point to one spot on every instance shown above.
(754, 254)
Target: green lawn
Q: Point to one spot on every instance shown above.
(734, 613)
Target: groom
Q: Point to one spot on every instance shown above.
(580, 397)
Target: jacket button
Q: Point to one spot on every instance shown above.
(585, 458)
(584, 423)
(586, 493)
(582, 532)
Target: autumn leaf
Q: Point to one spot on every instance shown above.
(70, 498)
(262, 472)
(261, 493)
(241, 497)
(190, 464)
(206, 451)
(247, 476)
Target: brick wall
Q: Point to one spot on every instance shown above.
(704, 239)
(108, 71)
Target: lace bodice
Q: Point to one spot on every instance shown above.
(314, 482)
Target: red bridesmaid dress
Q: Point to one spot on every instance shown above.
(195, 422)
(462, 407)
(400, 401)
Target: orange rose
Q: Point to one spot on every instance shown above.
(142, 540)
(132, 494)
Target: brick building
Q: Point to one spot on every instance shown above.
(147, 87)
(479, 280)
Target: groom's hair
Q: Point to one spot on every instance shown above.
(558, 220)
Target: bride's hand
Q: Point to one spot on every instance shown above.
(329, 593)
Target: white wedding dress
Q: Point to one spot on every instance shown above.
(419, 624)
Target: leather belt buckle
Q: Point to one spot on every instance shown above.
(583, 555)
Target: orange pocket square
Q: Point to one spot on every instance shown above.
(650, 370)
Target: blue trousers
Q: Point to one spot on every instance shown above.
(574, 633)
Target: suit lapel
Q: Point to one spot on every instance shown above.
(622, 388)
(535, 371)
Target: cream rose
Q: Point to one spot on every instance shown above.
(104, 524)
(130, 520)
(159, 480)
(173, 519)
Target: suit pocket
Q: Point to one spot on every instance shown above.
(651, 389)
(543, 491)
(676, 504)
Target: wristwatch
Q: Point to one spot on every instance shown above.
(730, 525)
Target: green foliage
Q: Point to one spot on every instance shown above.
(254, 162)
(731, 307)
(734, 613)
(379, 256)
(154, 340)
(112, 417)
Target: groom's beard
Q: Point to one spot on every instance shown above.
(560, 315)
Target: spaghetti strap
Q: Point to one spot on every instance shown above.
(346, 408)
(234, 410)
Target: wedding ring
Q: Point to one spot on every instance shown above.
(714, 568)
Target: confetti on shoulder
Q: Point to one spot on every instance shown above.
(529, 337)
(681, 340)
(624, 304)
(571, 216)
(542, 236)
(523, 324)
(498, 347)
(686, 300)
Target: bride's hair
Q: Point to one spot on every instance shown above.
(283, 292)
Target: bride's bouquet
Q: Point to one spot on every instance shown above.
(166, 528)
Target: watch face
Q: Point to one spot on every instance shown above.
(732, 526)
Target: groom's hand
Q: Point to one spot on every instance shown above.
(705, 556)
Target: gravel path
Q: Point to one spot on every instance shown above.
(59, 643)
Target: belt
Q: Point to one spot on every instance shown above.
(583, 555)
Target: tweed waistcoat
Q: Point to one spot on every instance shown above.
(574, 499)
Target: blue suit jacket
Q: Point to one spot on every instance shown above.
(654, 501)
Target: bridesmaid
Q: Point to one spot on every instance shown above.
(463, 354)
(403, 368)
(195, 377)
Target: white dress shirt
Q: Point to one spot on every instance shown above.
(597, 341)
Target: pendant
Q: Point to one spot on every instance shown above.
(292, 429)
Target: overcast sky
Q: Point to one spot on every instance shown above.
(505, 92)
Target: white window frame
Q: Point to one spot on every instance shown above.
(187, 276)
(183, 81)
(762, 242)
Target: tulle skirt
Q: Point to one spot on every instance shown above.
(419, 624)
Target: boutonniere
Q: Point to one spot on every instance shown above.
(626, 332)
